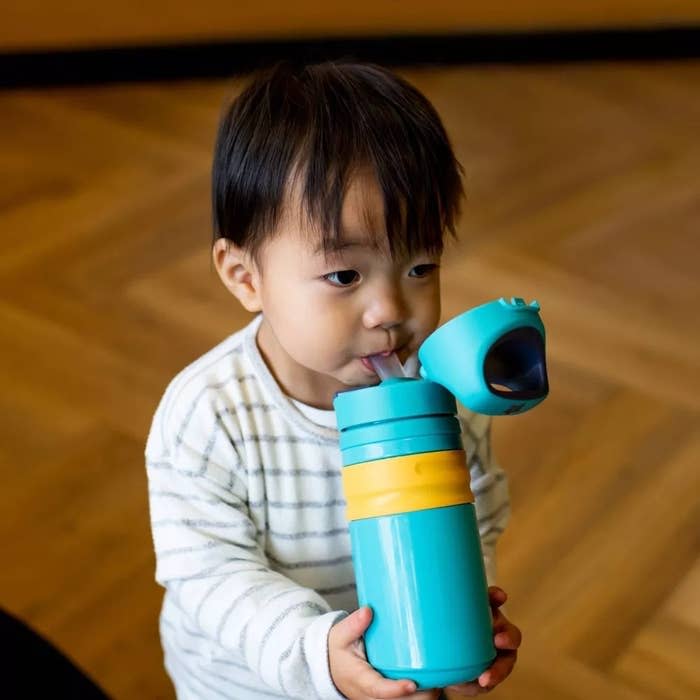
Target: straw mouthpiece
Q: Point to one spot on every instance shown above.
(387, 366)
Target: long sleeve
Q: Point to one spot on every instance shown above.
(489, 484)
(210, 557)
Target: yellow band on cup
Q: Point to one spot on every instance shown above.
(407, 483)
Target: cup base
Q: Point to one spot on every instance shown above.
(437, 678)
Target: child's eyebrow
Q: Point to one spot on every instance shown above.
(338, 246)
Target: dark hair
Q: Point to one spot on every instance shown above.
(324, 122)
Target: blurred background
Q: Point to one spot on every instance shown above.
(577, 125)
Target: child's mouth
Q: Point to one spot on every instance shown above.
(365, 361)
(394, 365)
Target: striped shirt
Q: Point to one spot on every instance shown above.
(248, 522)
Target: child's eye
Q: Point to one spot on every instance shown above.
(342, 278)
(422, 270)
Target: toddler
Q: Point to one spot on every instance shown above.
(333, 188)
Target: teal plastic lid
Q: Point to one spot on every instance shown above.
(399, 397)
(492, 357)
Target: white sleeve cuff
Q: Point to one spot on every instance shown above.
(316, 650)
(490, 565)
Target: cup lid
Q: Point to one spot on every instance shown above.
(491, 357)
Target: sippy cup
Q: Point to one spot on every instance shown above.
(413, 529)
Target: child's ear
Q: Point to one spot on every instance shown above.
(238, 272)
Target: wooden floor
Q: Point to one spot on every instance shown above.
(584, 193)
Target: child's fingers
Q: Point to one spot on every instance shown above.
(508, 636)
(499, 670)
(498, 620)
(350, 628)
(497, 596)
(374, 685)
(368, 683)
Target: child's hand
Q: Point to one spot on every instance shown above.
(507, 638)
(351, 673)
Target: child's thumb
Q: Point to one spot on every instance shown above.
(352, 627)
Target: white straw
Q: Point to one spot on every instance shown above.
(387, 366)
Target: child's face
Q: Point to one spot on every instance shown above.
(322, 316)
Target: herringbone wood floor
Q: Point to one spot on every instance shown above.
(583, 185)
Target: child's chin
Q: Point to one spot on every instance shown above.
(364, 381)
(355, 377)
(355, 380)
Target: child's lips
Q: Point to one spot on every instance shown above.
(366, 361)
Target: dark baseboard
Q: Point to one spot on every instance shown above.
(223, 59)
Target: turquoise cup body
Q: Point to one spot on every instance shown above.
(421, 571)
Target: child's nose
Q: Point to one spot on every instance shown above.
(385, 308)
